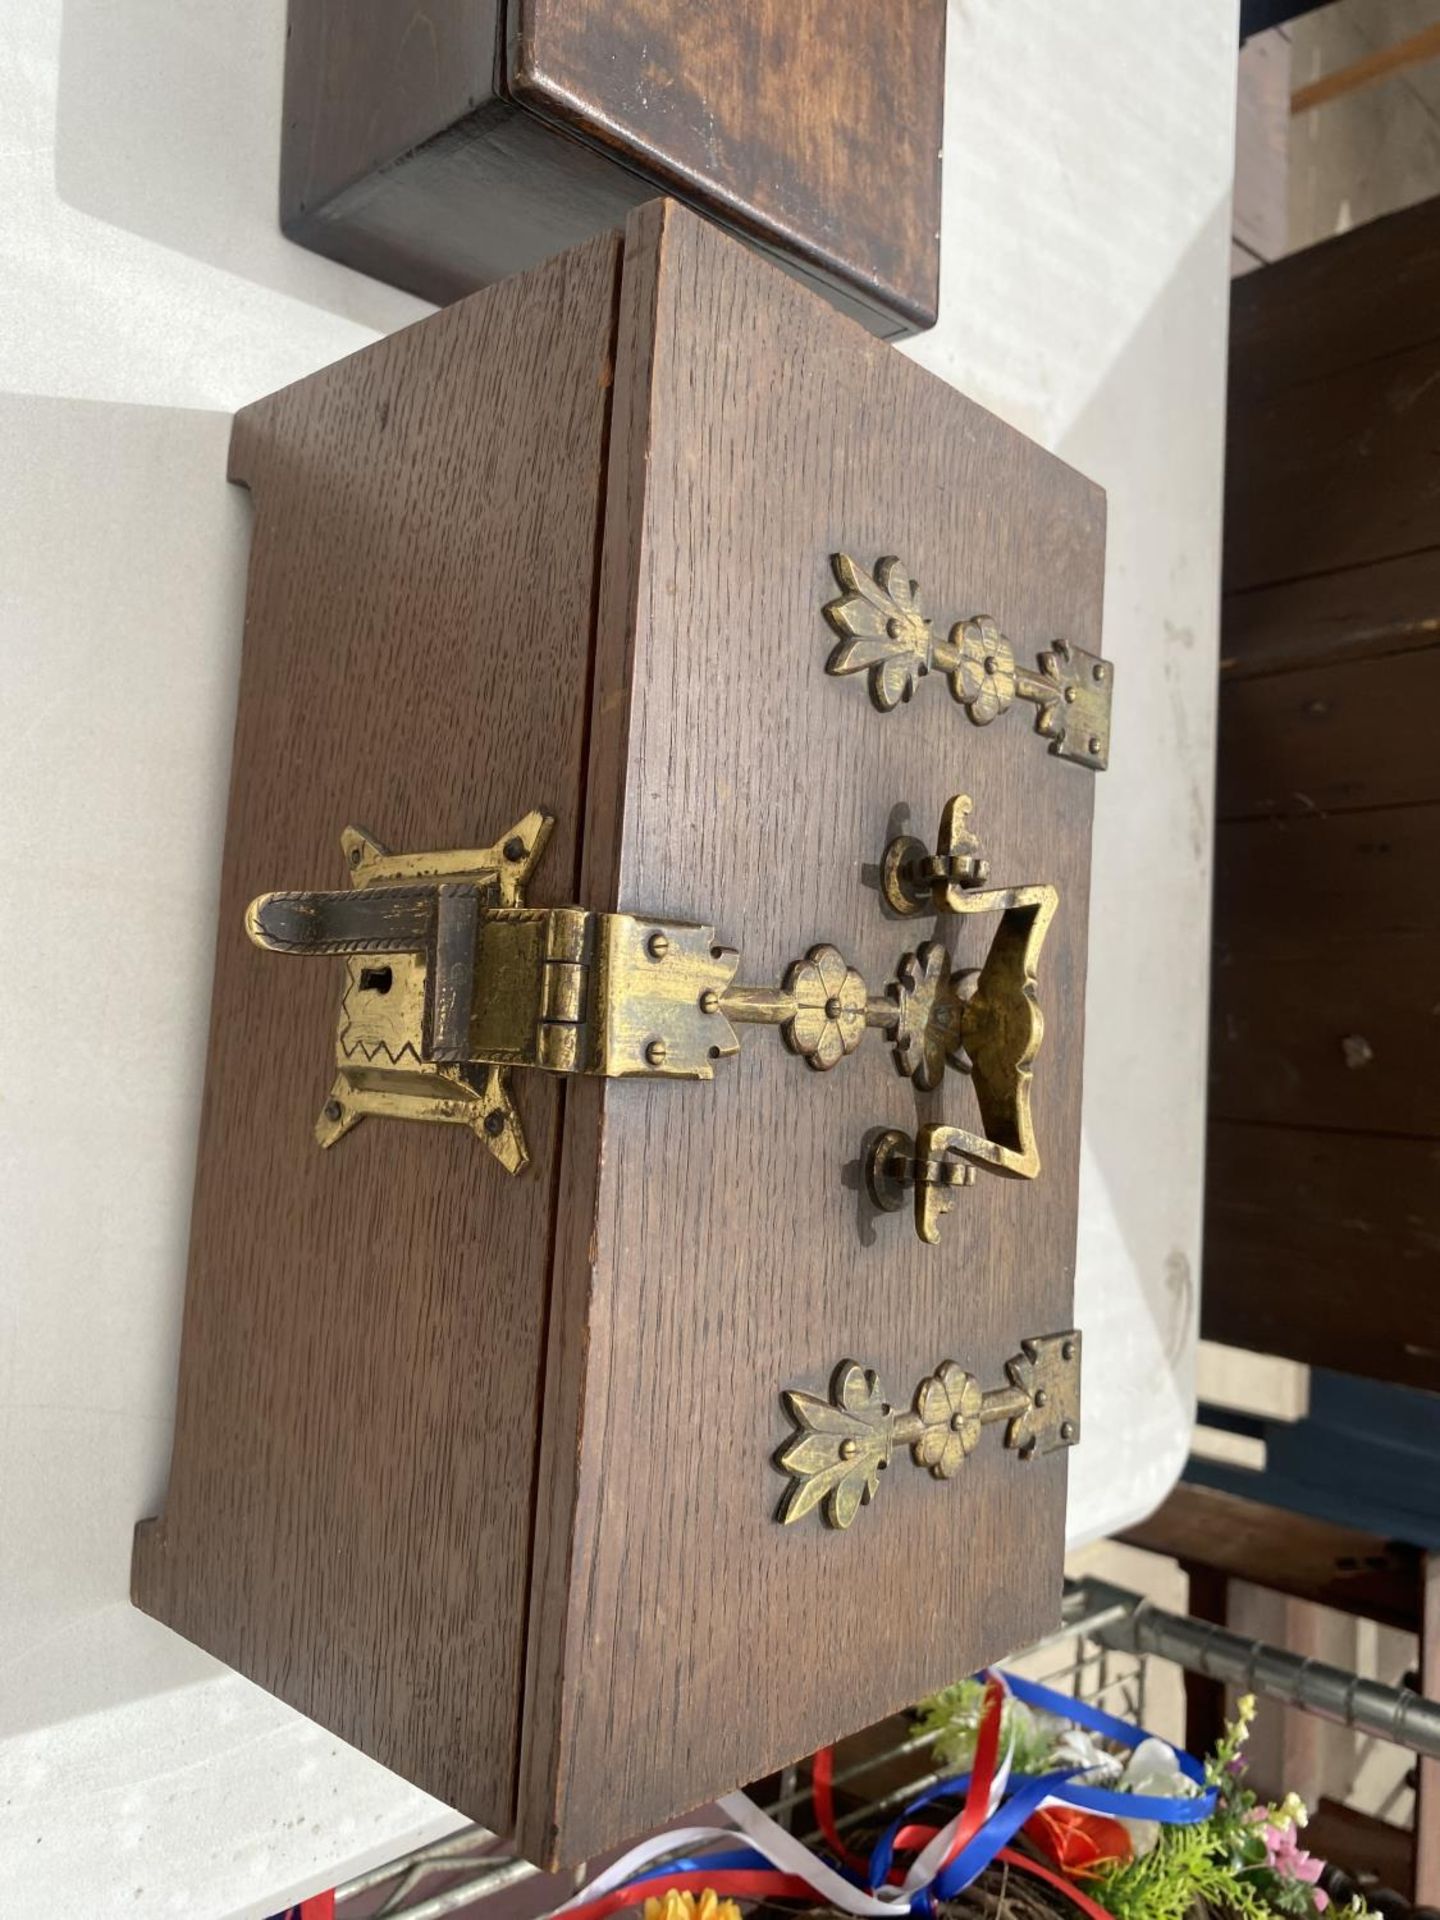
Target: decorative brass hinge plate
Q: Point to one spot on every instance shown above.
(886, 633)
(842, 1445)
(451, 981)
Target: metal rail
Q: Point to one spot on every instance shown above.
(1389, 1713)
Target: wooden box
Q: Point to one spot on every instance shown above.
(442, 150)
(486, 1470)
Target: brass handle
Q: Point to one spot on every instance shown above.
(451, 981)
(842, 1445)
(886, 633)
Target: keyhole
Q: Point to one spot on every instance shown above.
(375, 979)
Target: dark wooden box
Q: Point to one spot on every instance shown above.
(442, 149)
(479, 1469)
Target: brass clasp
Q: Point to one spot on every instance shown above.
(451, 981)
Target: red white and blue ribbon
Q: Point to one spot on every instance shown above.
(995, 1804)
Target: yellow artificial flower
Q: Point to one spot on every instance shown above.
(684, 1906)
(1291, 1812)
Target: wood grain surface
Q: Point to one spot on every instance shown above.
(1292, 1553)
(445, 146)
(1320, 1214)
(1322, 739)
(349, 1512)
(812, 125)
(1359, 613)
(715, 1246)
(1366, 294)
(1337, 473)
(1322, 1243)
(369, 81)
(1326, 978)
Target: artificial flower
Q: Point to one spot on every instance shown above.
(672, 1905)
(1078, 1749)
(1080, 1843)
(1152, 1769)
(1283, 1853)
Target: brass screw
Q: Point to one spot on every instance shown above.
(1041, 1397)
(958, 1423)
(1099, 670)
(849, 1449)
(833, 1008)
(657, 946)
(494, 1122)
(1094, 743)
(354, 856)
(991, 663)
(514, 848)
(657, 1053)
(1067, 1431)
(709, 1001)
(333, 1109)
(1067, 1350)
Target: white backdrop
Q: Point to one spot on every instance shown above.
(145, 292)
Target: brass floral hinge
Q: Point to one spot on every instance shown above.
(886, 633)
(843, 1444)
(451, 982)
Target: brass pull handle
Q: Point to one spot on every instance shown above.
(885, 632)
(451, 981)
(994, 1012)
(842, 1445)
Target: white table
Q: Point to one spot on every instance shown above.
(144, 294)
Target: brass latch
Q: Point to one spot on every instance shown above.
(451, 981)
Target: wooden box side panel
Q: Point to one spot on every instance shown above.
(349, 1512)
(719, 1247)
(367, 81)
(813, 125)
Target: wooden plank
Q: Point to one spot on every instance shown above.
(1207, 1598)
(1359, 613)
(1373, 1850)
(1312, 1560)
(1330, 739)
(1324, 989)
(350, 1500)
(728, 1251)
(1361, 296)
(1409, 52)
(1340, 476)
(1325, 1247)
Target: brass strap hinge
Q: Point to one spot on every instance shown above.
(885, 632)
(841, 1445)
(451, 980)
